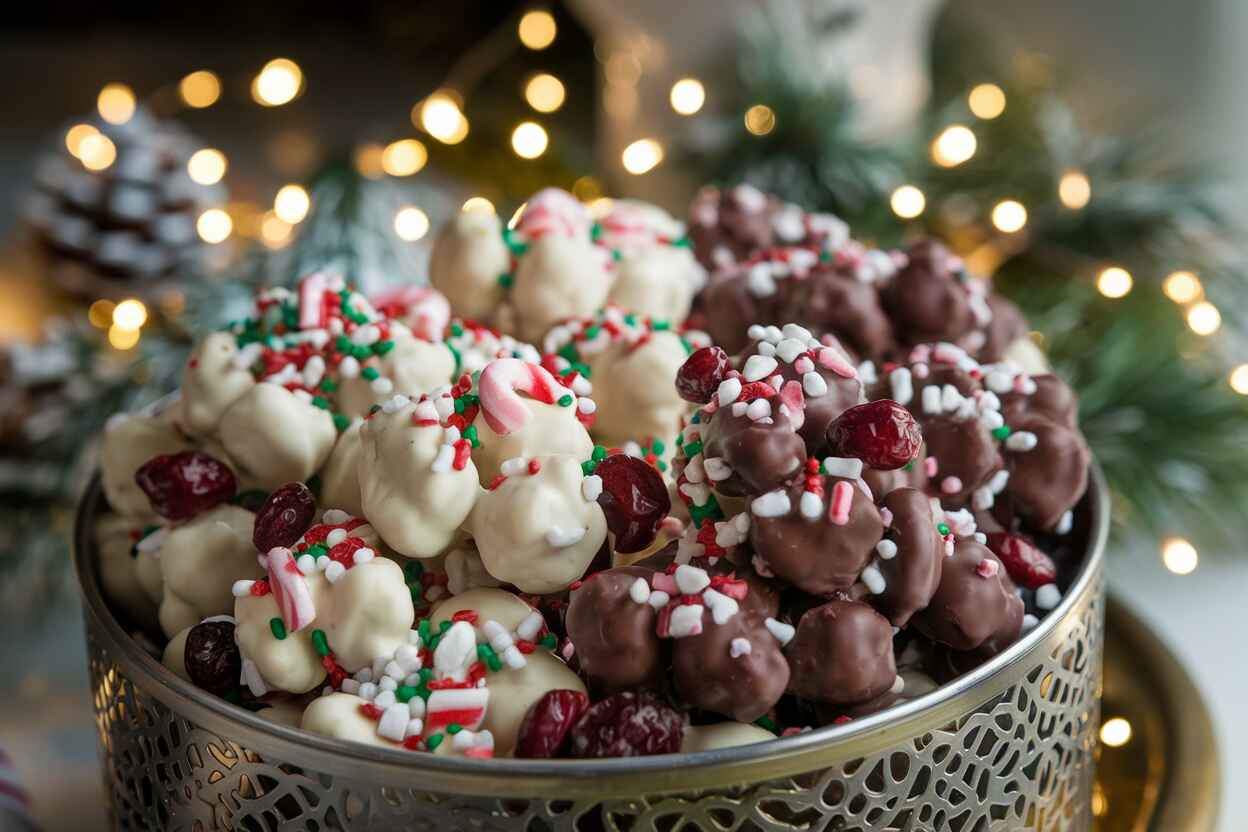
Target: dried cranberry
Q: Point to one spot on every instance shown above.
(184, 484)
(544, 731)
(285, 516)
(627, 725)
(1027, 565)
(212, 659)
(699, 377)
(883, 434)
(635, 500)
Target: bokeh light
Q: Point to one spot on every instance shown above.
(116, 103)
(955, 145)
(688, 95)
(275, 232)
(369, 159)
(760, 120)
(907, 202)
(1179, 555)
(200, 89)
(1204, 318)
(1114, 282)
(642, 156)
(529, 140)
(1116, 732)
(75, 135)
(411, 223)
(206, 166)
(1238, 379)
(214, 226)
(100, 313)
(97, 152)
(1074, 190)
(130, 314)
(441, 117)
(478, 203)
(122, 339)
(537, 29)
(1182, 287)
(987, 101)
(404, 157)
(544, 92)
(1009, 216)
(278, 83)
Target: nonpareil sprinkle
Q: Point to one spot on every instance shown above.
(278, 628)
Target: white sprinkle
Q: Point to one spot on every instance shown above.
(349, 367)
(760, 282)
(584, 404)
(387, 684)
(728, 391)
(691, 580)
(756, 332)
(767, 349)
(980, 538)
(364, 675)
(867, 372)
(241, 588)
(771, 504)
(886, 549)
(591, 487)
(407, 659)
(560, 537)
(811, 505)
(1023, 440)
(797, 331)
(382, 386)
(362, 555)
(334, 571)
(991, 420)
(425, 411)
(988, 401)
(874, 579)
(335, 537)
(716, 469)
(416, 705)
(696, 492)
(772, 334)
(513, 467)
(740, 647)
(1048, 596)
(442, 462)
(982, 498)
(899, 684)
(902, 385)
(758, 367)
(351, 686)
(758, 409)
(385, 697)
(931, 399)
(783, 632)
(393, 723)
(843, 466)
(721, 606)
(1065, 523)
(639, 591)
(659, 599)
(686, 621)
(950, 398)
(253, 679)
(695, 469)
(530, 626)
(789, 349)
(306, 564)
(998, 482)
(1029, 622)
(813, 385)
(368, 691)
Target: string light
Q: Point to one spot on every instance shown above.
(369, 160)
(1074, 190)
(130, 314)
(278, 83)
(1114, 282)
(441, 117)
(291, 204)
(100, 313)
(544, 92)
(116, 103)
(206, 166)
(987, 101)
(97, 152)
(200, 89)
(404, 157)
(688, 95)
(1009, 216)
(529, 140)
(411, 223)
(537, 29)
(1179, 555)
(1182, 287)
(275, 232)
(74, 137)
(214, 226)
(642, 156)
(1116, 732)
(955, 145)
(760, 120)
(1239, 379)
(907, 202)
(1204, 318)
(478, 203)
(122, 339)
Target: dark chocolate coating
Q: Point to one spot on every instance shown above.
(883, 483)
(913, 574)
(1006, 327)
(963, 448)
(708, 676)
(1053, 400)
(762, 456)
(614, 636)
(968, 610)
(842, 654)
(818, 556)
(1048, 480)
(926, 300)
(737, 225)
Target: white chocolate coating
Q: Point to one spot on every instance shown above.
(199, 562)
(1029, 357)
(412, 367)
(537, 531)
(119, 569)
(338, 715)
(551, 429)
(722, 735)
(276, 438)
(211, 383)
(129, 442)
(558, 277)
(465, 570)
(340, 478)
(658, 281)
(282, 710)
(513, 692)
(468, 258)
(498, 605)
(174, 656)
(635, 390)
(414, 508)
(290, 664)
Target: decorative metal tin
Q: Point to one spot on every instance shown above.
(1008, 746)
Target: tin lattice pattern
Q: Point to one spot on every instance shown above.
(1022, 760)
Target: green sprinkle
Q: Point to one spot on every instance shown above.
(418, 595)
(588, 466)
(319, 401)
(318, 549)
(657, 446)
(426, 675)
(370, 374)
(565, 400)
(1001, 433)
(591, 332)
(361, 353)
(494, 664)
(693, 448)
(457, 330)
(404, 693)
(444, 626)
(630, 319)
(766, 723)
(342, 343)
(341, 422)
(423, 630)
(454, 728)
(320, 642)
(549, 641)
(595, 232)
(456, 356)
(943, 528)
(661, 465)
(433, 742)
(383, 347)
(278, 628)
(328, 385)
(505, 280)
(485, 652)
(909, 466)
(413, 571)
(660, 326)
(682, 242)
(617, 255)
(599, 453)
(459, 405)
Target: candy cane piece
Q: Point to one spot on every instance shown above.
(312, 299)
(424, 309)
(463, 706)
(290, 590)
(791, 396)
(504, 411)
(842, 500)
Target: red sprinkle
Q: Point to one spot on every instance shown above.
(463, 449)
(260, 588)
(466, 615)
(498, 480)
(370, 710)
(535, 465)
(525, 647)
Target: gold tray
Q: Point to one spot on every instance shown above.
(1166, 776)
